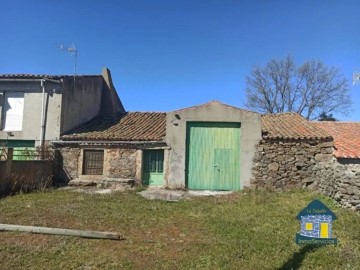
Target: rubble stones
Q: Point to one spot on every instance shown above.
(282, 165)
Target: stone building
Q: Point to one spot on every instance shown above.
(290, 148)
(115, 147)
(214, 146)
(189, 148)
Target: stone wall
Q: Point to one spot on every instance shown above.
(67, 161)
(281, 165)
(286, 164)
(120, 163)
(339, 181)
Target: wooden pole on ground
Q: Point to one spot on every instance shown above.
(57, 231)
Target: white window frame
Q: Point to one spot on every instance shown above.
(13, 111)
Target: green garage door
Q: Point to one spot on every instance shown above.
(213, 156)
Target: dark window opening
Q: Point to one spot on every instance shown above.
(93, 162)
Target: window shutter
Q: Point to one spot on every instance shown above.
(13, 110)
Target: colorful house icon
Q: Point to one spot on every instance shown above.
(316, 224)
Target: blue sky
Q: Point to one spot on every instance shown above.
(170, 54)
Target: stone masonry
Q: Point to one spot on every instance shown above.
(120, 163)
(339, 181)
(67, 162)
(286, 164)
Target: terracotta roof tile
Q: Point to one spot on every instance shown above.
(149, 126)
(130, 126)
(290, 126)
(346, 137)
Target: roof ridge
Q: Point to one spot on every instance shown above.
(282, 113)
(29, 75)
(143, 112)
(335, 122)
(212, 102)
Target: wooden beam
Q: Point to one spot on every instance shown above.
(57, 231)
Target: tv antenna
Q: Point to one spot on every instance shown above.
(73, 51)
(356, 76)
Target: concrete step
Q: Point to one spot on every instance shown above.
(102, 182)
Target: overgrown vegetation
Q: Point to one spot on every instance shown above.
(24, 183)
(247, 230)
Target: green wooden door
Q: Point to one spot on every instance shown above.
(213, 156)
(153, 161)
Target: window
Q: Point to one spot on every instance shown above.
(93, 162)
(308, 226)
(153, 161)
(13, 109)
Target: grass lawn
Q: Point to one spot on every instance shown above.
(252, 230)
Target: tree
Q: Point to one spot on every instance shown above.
(309, 89)
(326, 117)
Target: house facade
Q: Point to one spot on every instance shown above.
(115, 147)
(210, 146)
(213, 146)
(37, 109)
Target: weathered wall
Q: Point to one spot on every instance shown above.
(65, 106)
(120, 163)
(14, 174)
(91, 96)
(3, 172)
(67, 164)
(31, 128)
(280, 165)
(211, 112)
(36, 169)
(339, 181)
(81, 104)
(110, 101)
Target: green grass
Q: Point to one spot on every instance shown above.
(253, 230)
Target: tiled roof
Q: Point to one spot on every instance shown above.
(346, 137)
(131, 126)
(40, 76)
(290, 126)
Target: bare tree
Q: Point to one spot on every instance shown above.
(309, 89)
